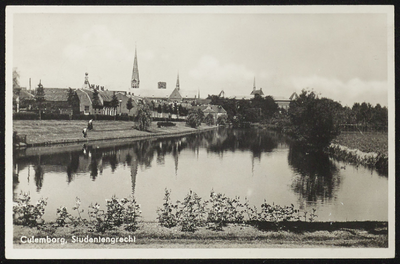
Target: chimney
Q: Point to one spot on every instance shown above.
(125, 92)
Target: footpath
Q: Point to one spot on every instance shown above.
(51, 132)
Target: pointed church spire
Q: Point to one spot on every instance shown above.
(135, 73)
(177, 82)
(254, 84)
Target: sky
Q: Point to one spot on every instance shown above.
(342, 56)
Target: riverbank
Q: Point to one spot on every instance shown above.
(368, 149)
(51, 132)
(151, 235)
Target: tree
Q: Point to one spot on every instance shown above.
(73, 100)
(114, 104)
(129, 104)
(39, 98)
(209, 120)
(143, 116)
(195, 118)
(15, 78)
(96, 103)
(222, 120)
(312, 120)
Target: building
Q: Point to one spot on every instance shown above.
(256, 92)
(215, 110)
(284, 102)
(135, 73)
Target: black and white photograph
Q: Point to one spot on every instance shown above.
(153, 132)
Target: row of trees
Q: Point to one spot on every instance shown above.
(258, 109)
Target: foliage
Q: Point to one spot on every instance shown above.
(15, 78)
(222, 120)
(119, 212)
(223, 210)
(165, 124)
(143, 117)
(27, 214)
(168, 214)
(114, 102)
(129, 104)
(39, 98)
(219, 210)
(312, 120)
(191, 212)
(209, 120)
(195, 118)
(96, 103)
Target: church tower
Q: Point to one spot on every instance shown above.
(177, 83)
(135, 73)
(86, 84)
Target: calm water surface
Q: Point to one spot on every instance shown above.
(256, 164)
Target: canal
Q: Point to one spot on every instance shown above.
(254, 164)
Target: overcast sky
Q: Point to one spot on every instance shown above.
(341, 56)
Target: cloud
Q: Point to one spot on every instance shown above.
(354, 90)
(209, 68)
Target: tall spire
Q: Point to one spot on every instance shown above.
(254, 84)
(177, 82)
(135, 73)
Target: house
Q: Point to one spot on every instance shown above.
(215, 110)
(284, 102)
(22, 99)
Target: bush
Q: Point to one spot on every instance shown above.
(168, 214)
(25, 116)
(195, 118)
(27, 214)
(143, 117)
(52, 116)
(209, 120)
(191, 212)
(165, 124)
(222, 120)
(124, 212)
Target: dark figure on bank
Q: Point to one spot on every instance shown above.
(90, 124)
(84, 132)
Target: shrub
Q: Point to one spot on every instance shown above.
(168, 214)
(143, 117)
(27, 214)
(25, 116)
(195, 118)
(209, 120)
(222, 120)
(124, 212)
(165, 124)
(223, 210)
(191, 212)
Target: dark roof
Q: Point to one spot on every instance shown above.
(259, 92)
(56, 94)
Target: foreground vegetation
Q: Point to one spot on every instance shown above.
(219, 221)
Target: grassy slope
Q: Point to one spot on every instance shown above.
(50, 131)
(366, 142)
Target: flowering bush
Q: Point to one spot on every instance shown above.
(27, 214)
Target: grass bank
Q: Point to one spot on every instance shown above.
(369, 149)
(151, 234)
(48, 132)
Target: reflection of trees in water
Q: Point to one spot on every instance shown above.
(39, 174)
(92, 159)
(316, 177)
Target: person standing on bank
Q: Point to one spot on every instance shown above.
(90, 124)
(84, 132)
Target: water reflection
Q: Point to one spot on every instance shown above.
(93, 159)
(254, 163)
(316, 177)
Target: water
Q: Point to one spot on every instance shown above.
(256, 164)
